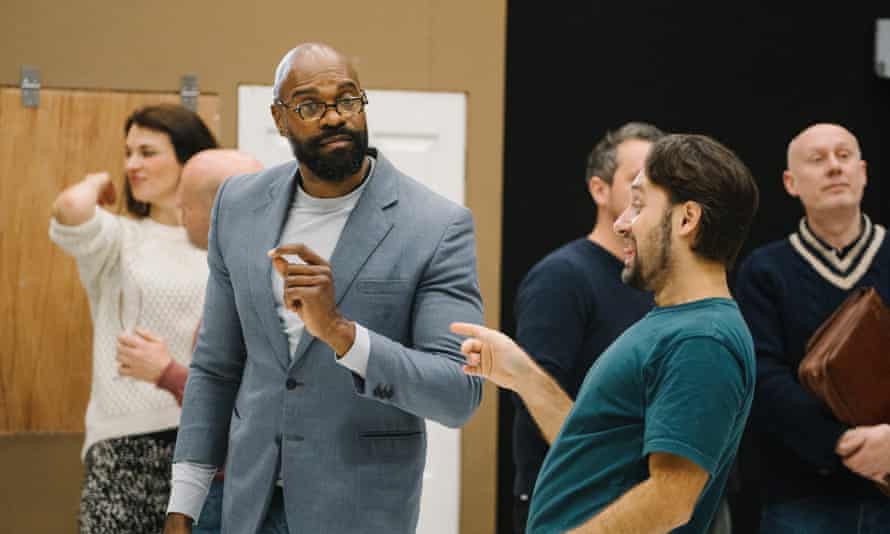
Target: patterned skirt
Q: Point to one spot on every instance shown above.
(127, 484)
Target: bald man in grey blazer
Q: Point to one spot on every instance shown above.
(325, 341)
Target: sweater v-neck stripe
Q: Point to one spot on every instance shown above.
(845, 269)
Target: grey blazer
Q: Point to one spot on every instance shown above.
(350, 451)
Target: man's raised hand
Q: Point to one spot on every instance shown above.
(309, 292)
(494, 356)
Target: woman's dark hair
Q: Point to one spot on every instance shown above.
(187, 132)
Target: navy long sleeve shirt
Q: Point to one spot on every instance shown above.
(569, 309)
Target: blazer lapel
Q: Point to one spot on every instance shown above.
(367, 226)
(270, 217)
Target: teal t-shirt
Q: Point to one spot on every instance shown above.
(679, 381)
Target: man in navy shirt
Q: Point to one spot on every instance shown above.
(819, 476)
(649, 442)
(572, 304)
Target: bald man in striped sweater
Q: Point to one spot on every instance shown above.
(819, 475)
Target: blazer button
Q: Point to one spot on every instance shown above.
(291, 383)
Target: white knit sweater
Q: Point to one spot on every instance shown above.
(136, 272)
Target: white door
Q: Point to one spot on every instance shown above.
(424, 135)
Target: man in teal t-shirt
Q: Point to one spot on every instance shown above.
(679, 381)
(648, 444)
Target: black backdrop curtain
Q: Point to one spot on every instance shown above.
(750, 76)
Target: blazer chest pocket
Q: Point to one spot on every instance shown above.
(378, 287)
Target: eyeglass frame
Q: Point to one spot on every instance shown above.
(363, 98)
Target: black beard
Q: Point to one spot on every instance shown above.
(631, 275)
(634, 276)
(336, 165)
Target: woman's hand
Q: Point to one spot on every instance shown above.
(142, 355)
(107, 192)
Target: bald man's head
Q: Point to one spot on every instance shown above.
(306, 58)
(814, 134)
(201, 177)
(825, 168)
(319, 108)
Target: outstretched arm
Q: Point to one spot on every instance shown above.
(494, 356)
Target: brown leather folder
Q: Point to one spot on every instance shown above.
(847, 363)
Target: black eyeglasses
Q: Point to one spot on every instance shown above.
(312, 110)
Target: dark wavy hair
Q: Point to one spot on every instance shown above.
(699, 169)
(187, 132)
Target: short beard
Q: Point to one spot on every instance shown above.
(654, 279)
(337, 165)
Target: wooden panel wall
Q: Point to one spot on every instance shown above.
(427, 45)
(46, 338)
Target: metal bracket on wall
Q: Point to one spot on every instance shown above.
(188, 91)
(882, 48)
(30, 86)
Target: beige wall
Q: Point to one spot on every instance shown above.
(456, 45)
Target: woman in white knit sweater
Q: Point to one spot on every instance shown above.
(141, 275)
